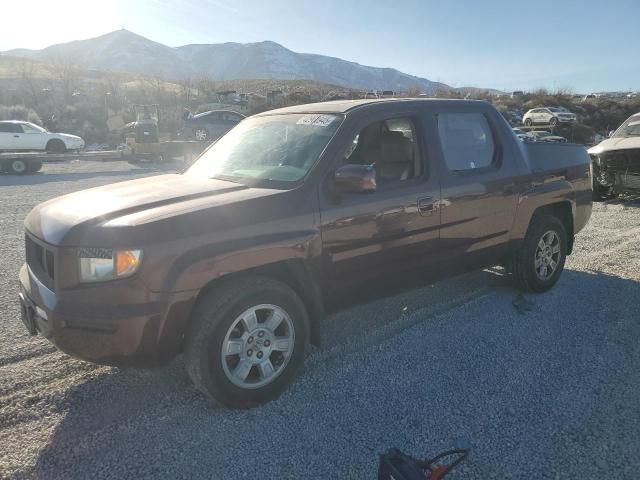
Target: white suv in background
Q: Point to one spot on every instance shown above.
(18, 135)
(548, 116)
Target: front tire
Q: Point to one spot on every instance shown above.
(528, 122)
(537, 265)
(599, 192)
(56, 146)
(34, 166)
(247, 342)
(553, 122)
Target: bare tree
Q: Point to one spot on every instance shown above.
(68, 77)
(30, 87)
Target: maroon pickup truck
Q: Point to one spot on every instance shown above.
(233, 261)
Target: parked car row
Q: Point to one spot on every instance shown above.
(20, 136)
(538, 136)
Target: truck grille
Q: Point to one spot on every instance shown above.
(624, 162)
(41, 260)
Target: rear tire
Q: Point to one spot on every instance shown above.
(221, 342)
(18, 167)
(537, 265)
(56, 146)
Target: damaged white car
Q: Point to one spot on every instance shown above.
(616, 161)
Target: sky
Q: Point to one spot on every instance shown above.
(582, 46)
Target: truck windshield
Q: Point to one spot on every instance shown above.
(268, 150)
(630, 128)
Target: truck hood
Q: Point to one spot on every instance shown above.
(56, 220)
(616, 143)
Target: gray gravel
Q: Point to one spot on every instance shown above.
(547, 392)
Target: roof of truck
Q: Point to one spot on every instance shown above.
(343, 106)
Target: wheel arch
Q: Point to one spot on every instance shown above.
(563, 211)
(54, 141)
(297, 274)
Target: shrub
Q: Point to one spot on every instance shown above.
(19, 112)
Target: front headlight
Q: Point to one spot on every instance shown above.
(100, 264)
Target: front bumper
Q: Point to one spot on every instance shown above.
(619, 169)
(74, 144)
(98, 324)
(626, 182)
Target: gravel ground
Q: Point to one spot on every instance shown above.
(548, 391)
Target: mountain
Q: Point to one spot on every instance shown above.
(126, 51)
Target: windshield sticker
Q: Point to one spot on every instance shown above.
(316, 120)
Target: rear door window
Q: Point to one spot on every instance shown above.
(467, 141)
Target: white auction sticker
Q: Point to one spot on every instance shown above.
(316, 120)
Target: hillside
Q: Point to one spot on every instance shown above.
(124, 51)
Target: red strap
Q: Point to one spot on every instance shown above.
(436, 473)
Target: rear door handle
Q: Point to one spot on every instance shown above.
(425, 205)
(16, 136)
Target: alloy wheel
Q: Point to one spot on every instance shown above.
(201, 134)
(257, 346)
(547, 255)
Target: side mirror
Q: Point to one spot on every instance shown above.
(356, 178)
(611, 133)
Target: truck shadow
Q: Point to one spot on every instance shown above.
(154, 423)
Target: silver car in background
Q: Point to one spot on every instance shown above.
(548, 116)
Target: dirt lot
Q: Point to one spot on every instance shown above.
(548, 389)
